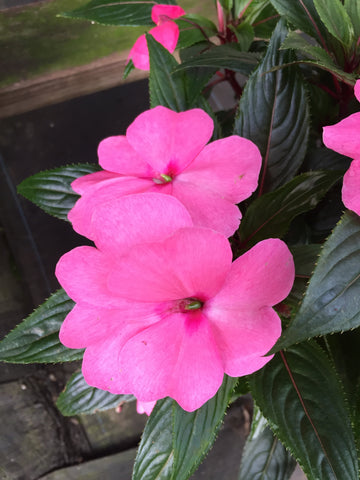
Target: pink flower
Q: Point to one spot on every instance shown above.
(170, 316)
(166, 32)
(165, 151)
(144, 407)
(344, 137)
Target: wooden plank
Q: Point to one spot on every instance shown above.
(66, 84)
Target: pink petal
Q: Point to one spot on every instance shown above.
(351, 187)
(263, 276)
(83, 272)
(161, 13)
(193, 262)
(139, 54)
(116, 155)
(168, 140)
(243, 336)
(167, 34)
(176, 357)
(87, 324)
(101, 368)
(133, 219)
(357, 90)
(80, 215)
(208, 209)
(343, 137)
(229, 167)
(83, 184)
(145, 407)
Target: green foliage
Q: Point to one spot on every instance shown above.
(79, 398)
(264, 457)
(332, 300)
(122, 12)
(174, 441)
(51, 190)
(270, 215)
(273, 113)
(293, 391)
(223, 56)
(335, 18)
(36, 339)
(194, 29)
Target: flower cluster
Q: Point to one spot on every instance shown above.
(166, 32)
(343, 137)
(161, 308)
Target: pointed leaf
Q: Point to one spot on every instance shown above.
(155, 456)
(121, 12)
(273, 113)
(79, 398)
(298, 41)
(51, 190)
(194, 29)
(36, 339)
(300, 395)
(335, 18)
(174, 441)
(331, 303)
(271, 214)
(223, 56)
(353, 10)
(304, 16)
(166, 88)
(195, 432)
(264, 457)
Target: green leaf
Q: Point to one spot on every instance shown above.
(195, 432)
(155, 456)
(332, 300)
(271, 214)
(335, 18)
(174, 441)
(121, 12)
(298, 41)
(353, 10)
(274, 114)
(51, 190)
(304, 16)
(36, 339)
(244, 34)
(264, 457)
(223, 56)
(194, 29)
(300, 395)
(166, 88)
(79, 398)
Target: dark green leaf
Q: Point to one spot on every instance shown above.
(79, 398)
(36, 339)
(121, 12)
(271, 214)
(306, 45)
(335, 18)
(51, 190)
(332, 300)
(303, 15)
(174, 441)
(273, 113)
(129, 67)
(264, 457)
(244, 34)
(194, 29)
(195, 432)
(155, 457)
(223, 56)
(166, 88)
(300, 395)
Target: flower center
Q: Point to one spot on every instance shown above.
(189, 304)
(164, 178)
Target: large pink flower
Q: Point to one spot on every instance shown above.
(344, 137)
(170, 317)
(165, 151)
(166, 32)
